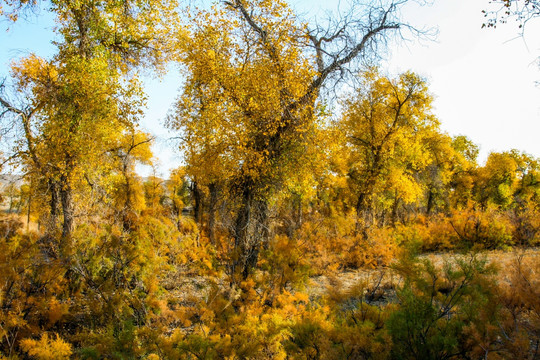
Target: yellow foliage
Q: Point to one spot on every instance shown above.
(136, 278)
(387, 129)
(229, 118)
(47, 349)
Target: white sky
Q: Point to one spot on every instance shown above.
(483, 79)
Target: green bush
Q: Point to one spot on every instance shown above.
(436, 306)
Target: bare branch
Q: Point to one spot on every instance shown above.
(25, 116)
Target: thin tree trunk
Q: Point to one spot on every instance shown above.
(52, 221)
(176, 210)
(127, 210)
(11, 196)
(395, 208)
(295, 221)
(429, 202)
(212, 209)
(28, 212)
(197, 199)
(363, 214)
(66, 195)
(299, 218)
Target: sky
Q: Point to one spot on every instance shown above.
(483, 80)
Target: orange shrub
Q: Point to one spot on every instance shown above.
(332, 242)
(465, 229)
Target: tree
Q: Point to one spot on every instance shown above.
(128, 33)
(87, 84)
(78, 109)
(496, 180)
(463, 172)
(128, 193)
(385, 124)
(437, 174)
(177, 186)
(508, 179)
(254, 76)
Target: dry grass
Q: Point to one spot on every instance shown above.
(386, 278)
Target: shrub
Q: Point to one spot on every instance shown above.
(465, 229)
(436, 306)
(46, 348)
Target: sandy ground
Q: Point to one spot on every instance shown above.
(386, 278)
(375, 286)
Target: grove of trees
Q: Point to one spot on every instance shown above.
(302, 159)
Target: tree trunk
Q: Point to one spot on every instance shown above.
(364, 204)
(28, 212)
(299, 218)
(295, 221)
(176, 210)
(52, 221)
(127, 213)
(66, 195)
(430, 199)
(197, 200)
(395, 209)
(212, 209)
(364, 214)
(251, 233)
(11, 200)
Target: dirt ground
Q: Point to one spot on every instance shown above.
(386, 278)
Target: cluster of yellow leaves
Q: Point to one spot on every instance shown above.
(464, 229)
(386, 126)
(82, 107)
(232, 108)
(47, 349)
(130, 34)
(329, 243)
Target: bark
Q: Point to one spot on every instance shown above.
(66, 196)
(364, 203)
(28, 211)
(54, 203)
(296, 215)
(429, 206)
(364, 213)
(176, 210)
(251, 233)
(395, 209)
(11, 201)
(197, 199)
(127, 210)
(212, 209)
(297, 211)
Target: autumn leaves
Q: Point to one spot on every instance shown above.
(250, 112)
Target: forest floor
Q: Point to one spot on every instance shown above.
(377, 286)
(381, 283)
